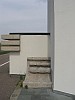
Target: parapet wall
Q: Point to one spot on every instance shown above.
(30, 46)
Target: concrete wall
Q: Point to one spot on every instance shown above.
(51, 31)
(64, 65)
(31, 46)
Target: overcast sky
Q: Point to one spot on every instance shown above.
(23, 16)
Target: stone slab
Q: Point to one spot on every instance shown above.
(15, 94)
(10, 37)
(38, 58)
(10, 48)
(37, 80)
(10, 42)
(40, 63)
(41, 70)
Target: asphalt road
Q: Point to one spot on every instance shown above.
(4, 58)
(7, 82)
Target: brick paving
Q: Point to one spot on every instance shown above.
(7, 82)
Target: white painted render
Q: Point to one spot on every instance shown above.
(30, 46)
(64, 58)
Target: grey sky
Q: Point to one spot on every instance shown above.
(23, 16)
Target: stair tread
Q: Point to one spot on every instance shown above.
(38, 58)
(39, 70)
(46, 64)
(37, 80)
(37, 85)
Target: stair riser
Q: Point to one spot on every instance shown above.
(38, 59)
(36, 85)
(35, 63)
(39, 70)
(38, 73)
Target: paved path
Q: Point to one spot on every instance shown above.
(7, 83)
(39, 94)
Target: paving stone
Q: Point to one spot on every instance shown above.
(35, 97)
(55, 96)
(25, 97)
(38, 94)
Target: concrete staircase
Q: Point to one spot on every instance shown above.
(38, 73)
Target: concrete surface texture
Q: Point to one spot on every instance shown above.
(15, 42)
(38, 73)
(40, 94)
(10, 37)
(31, 46)
(10, 48)
(37, 80)
(39, 70)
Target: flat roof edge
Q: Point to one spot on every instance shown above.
(29, 33)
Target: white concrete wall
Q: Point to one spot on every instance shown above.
(31, 46)
(64, 65)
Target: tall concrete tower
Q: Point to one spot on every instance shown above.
(61, 25)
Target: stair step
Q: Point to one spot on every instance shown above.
(38, 58)
(37, 80)
(39, 64)
(37, 85)
(40, 70)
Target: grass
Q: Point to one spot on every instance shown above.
(20, 83)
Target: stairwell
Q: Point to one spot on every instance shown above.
(38, 73)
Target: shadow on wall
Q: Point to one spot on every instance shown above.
(49, 55)
(49, 46)
(0, 46)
